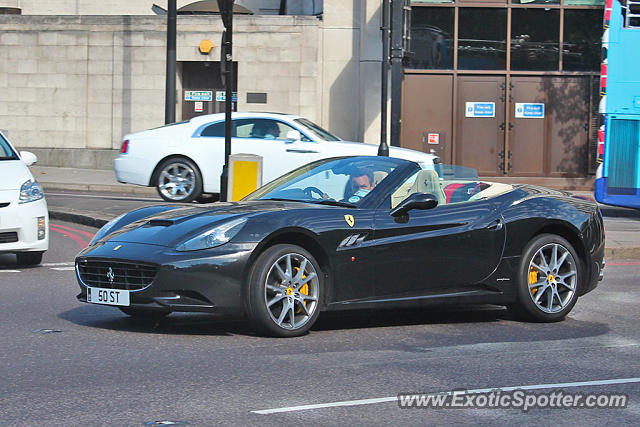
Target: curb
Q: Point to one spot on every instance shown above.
(97, 221)
(109, 188)
(79, 217)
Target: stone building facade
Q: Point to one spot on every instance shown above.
(76, 76)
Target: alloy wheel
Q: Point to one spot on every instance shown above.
(291, 291)
(553, 278)
(177, 181)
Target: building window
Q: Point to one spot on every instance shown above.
(535, 39)
(482, 36)
(582, 40)
(431, 38)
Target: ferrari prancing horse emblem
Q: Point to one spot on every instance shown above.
(350, 220)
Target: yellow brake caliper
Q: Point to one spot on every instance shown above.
(533, 278)
(303, 290)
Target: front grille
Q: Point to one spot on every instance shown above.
(9, 237)
(116, 274)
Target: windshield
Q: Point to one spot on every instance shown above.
(6, 152)
(317, 130)
(341, 182)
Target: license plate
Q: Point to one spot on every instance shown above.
(108, 296)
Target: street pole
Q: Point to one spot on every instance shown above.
(226, 12)
(170, 86)
(397, 9)
(383, 149)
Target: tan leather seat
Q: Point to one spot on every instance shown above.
(379, 176)
(428, 181)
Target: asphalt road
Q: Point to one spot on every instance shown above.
(67, 363)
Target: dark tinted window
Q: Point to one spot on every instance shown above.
(482, 39)
(535, 38)
(216, 129)
(431, 38)
(6, 152)
(582, 40)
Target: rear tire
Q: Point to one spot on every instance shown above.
(549, 279)
(286, 287)
(29, 258)
(178, 180)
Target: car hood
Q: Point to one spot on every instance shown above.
(177, 224)
(13, 173)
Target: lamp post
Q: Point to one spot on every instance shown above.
(383, 149)
(226, 13)
(170, 85)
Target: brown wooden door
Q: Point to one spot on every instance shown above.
(556, 144)
(426, 110)
(480, 140)
(528, 135)
(569, 116)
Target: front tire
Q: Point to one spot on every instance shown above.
(285, 289)
(29, 258)
(179, 180)
(549, 279)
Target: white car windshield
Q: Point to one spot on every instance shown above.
(316, 130)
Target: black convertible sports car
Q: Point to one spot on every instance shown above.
(348, 233)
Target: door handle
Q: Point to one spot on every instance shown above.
(300, 150)
(495, 225)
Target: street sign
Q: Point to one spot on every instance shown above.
(198, 95)
(198, 107)
(527, 110)
(221, 96)
(480, 109)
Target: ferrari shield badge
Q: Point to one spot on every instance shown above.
(350, 220)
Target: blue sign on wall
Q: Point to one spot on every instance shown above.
(528, 110)
(198, 95)
(480, 109)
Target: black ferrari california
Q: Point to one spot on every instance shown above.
(350, 233)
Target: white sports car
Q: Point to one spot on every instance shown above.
(24, 219)
(184, 160)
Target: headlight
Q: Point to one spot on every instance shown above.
(105, 229)
(30, 192)
(214, 237)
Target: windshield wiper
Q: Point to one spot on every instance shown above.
(335, 203)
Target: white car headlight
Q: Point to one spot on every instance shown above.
(105, 229)
(30, 191)
(214, 237)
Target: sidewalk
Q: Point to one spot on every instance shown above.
(71, 179)
(622, 225)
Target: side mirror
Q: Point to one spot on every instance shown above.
(420, 201)
(294, 135)
(28, 157)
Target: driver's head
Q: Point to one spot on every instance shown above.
(362, 182)
(360, 179)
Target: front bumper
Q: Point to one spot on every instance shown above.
(201, 281)
(23, 220)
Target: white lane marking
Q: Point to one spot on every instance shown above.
(10, 271)
(479, 390)
(56, 264)
(63, 268)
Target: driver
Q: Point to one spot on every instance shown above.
(359, 185)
